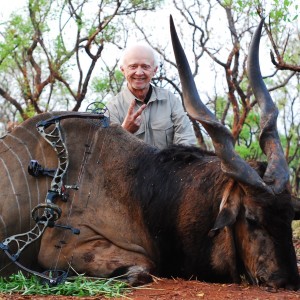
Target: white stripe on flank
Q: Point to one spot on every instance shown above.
(38, 138)
(4, 227)
(14, 192)
(24, 176)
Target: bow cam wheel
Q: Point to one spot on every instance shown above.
(45, 211)
(100, 109)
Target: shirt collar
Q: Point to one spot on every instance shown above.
(154, 96)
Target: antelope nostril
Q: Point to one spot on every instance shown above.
(261, 280)
(275, 281)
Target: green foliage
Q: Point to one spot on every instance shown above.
(251, 151)
(59, 46)
(146, 3)
(101, 84)
(16, 36)
(106, 84)
(220, 106)
(241, 5)
(278, 10)
(248, 145)
(75, 286)
(29, 111)
(281, 10)
(227, 3)
(109, 32)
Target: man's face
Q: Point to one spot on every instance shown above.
(138, 68)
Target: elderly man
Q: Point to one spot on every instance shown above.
(153, 114)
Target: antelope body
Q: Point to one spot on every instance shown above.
(179, 212)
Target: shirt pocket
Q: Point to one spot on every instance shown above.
(163, 132)
(141, 130)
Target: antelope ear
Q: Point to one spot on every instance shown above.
(229, 207)
(226, 217)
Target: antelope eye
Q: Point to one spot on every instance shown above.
(252, 221)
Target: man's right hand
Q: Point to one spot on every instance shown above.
(133, 120)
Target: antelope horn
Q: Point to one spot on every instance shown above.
(231, 163)
(277, 173)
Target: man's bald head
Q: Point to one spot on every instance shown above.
(139, 50)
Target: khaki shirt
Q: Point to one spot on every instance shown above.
(164, 122)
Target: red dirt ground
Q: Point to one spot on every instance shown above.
(178, 289)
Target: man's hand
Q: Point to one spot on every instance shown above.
(132, 121)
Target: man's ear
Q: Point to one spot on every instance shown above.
(122, 70)
(155, 70)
